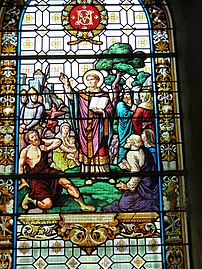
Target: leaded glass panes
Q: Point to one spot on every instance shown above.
(90, 151)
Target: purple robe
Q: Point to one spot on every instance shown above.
(94, 130)
(146, 195)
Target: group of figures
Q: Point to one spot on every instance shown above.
(79, 132)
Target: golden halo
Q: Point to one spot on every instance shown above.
(91, 72)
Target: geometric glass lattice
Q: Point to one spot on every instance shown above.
(105, 263)
(40, 263)
(138, 262)
(91, 167)
(72, 263)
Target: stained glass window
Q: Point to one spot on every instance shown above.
(91, 158)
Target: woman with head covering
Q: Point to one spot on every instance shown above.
(144, 114)
(65, 156)
(148, 138)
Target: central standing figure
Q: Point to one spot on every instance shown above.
(92, 114)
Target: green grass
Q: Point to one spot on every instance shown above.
(100, 194)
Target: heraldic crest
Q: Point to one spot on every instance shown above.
(84, 19)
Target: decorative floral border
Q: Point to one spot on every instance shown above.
(167, 105)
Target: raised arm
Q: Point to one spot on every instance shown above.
(50, 144)
(68, 89)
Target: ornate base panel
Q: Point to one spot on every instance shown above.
(99, 240)
(90, 144)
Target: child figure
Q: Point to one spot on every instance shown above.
(74, 154)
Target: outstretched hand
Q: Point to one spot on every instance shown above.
(122, 186)
(64, 79)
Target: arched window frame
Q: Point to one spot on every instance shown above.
(167, 109)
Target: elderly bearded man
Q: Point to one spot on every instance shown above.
(140, 192)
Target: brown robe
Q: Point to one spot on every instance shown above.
(44, 187)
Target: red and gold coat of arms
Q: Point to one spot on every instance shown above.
(84, 19)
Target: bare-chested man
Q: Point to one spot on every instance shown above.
(34, 160)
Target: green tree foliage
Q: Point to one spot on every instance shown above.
(120, 60)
